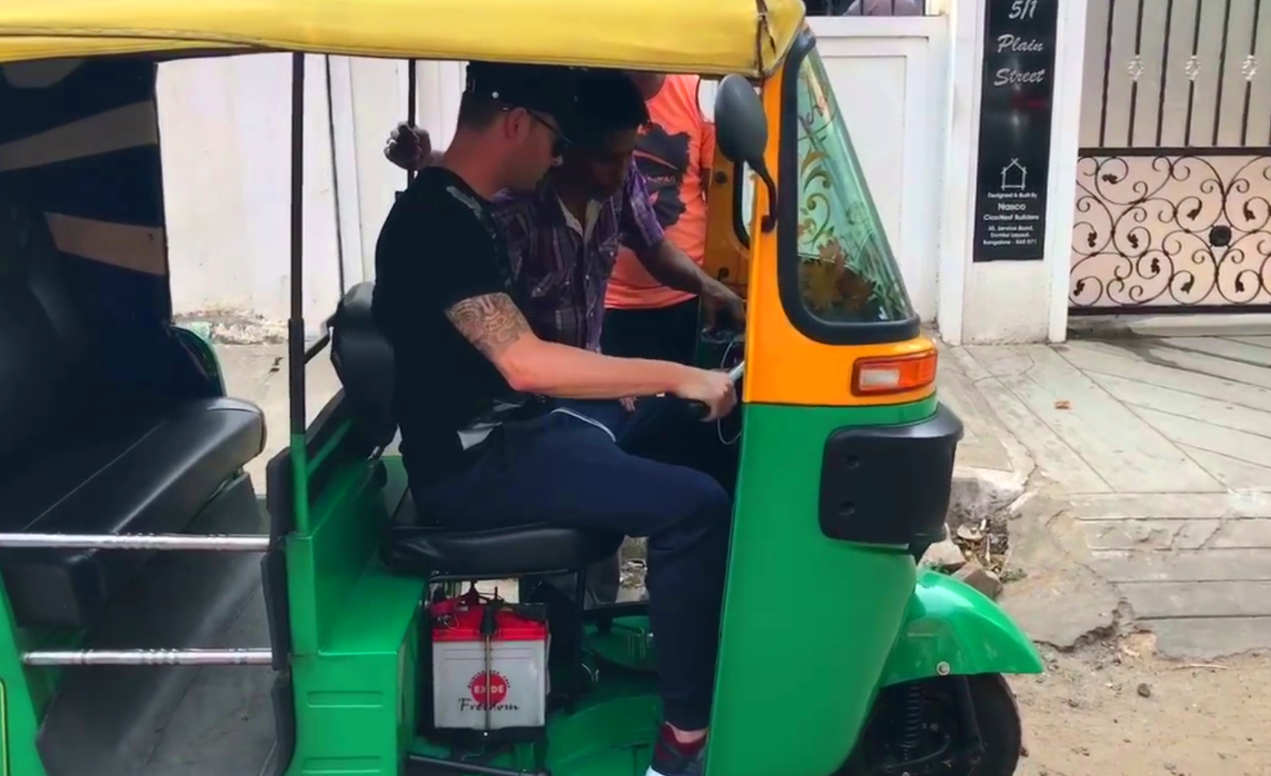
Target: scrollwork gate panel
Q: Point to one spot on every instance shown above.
(1173, 205)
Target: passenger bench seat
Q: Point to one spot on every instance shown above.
(77, 457)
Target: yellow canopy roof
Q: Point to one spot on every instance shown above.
(698, 36)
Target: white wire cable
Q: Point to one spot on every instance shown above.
(719, 424)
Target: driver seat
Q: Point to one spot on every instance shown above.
(416, 545)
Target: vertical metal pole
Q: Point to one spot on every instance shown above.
(1253, 49)
(1222, 69)
(1134, 81)
(335, 180)
(1191, 77)
(296, 323)
(1165, 63)
(412, 99)
(1107, 72)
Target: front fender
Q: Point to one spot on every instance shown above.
(949, 622)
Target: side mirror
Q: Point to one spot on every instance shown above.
(741, 130)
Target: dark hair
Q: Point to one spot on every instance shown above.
(476, 111)
(608, 101)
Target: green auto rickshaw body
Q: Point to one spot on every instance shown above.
(904, 625)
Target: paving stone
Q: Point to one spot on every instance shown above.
(1242, 534)
(1169, 506)
(1127, 453)
(1158, 600)
(1209, 638)
(1183, 566)
(1148, 534)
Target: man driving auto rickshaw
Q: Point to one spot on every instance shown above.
(135, 637)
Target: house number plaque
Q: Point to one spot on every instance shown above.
(1015, 120)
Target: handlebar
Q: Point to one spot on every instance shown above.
(699, 409)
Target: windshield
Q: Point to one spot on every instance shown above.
(847, 273)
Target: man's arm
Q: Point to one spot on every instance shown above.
(494, 325)
(671, 267)
(642, 233)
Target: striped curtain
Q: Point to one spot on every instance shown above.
(79, 144)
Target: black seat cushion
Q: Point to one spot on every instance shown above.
(363, 360)
(133, 469)
(417, 548)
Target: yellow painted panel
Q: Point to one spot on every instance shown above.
(783, 365)
(714, 37)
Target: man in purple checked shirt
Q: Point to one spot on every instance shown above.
(563, 238)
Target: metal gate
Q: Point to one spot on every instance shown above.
(1173, 205)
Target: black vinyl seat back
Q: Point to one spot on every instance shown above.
(363, 360)
(47, 370)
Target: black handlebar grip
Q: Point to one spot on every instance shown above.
(699, 410)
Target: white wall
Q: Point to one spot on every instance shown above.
(889, 78)
(225, 135)
(1006, 301)
(225, 126)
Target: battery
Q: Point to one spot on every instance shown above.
(494, 686)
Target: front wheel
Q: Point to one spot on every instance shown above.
(942, 726)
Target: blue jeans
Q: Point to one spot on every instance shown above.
(562, 470)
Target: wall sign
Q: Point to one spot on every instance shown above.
(1015, 110)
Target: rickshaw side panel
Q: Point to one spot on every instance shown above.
(952, 628)
(354, 627)
(19, 718)
(790, 661)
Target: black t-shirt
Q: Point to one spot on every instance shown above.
(439, 246)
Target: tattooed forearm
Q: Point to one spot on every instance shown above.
(491, 322)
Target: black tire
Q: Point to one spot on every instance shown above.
(996, 714)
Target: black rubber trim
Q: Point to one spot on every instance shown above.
(889, 484)
(284, 701)
(741, 226)
(280, 495)
(273, 575)
(808, 324)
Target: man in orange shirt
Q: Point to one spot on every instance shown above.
(643, 318)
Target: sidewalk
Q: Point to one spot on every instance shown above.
(1150, 461)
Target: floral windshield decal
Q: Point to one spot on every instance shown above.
(846, 270)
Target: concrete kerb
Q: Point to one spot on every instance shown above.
(1207, 325)
(980, 494)
(1055, 597)
(1058, 600)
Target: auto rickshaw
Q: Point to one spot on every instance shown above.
(136, 635)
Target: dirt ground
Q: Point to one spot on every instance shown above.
(1115, 710)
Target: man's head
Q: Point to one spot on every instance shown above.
(515, 113)
(603, 132)
(648, 83)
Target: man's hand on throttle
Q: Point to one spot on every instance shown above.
(716, 297)
(714, 389)
(409, 147)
